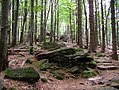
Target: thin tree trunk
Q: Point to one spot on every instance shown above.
(41, 27)
(91, 19)
(80, 24)
(14, 41)
(114, 47)
(96, 31)
(52, 20)
(45, 20)
(25, 18)
(103, 31)
(86, 23)
(32, 23)
(35, 35)
(57, 19)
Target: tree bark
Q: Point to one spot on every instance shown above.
(80, 23)
(25, 17)
(91, 19)
(103, 31)
(3, 39)
(114, 44)
(14, 41)
(32, 23)
(86, 23)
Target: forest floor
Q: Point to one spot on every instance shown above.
(17, 59)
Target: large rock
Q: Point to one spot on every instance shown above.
(27, 74)
(51, 46)
(103, 67)
(115, 82)
(66, 55)
(50, 54)
(105, 88)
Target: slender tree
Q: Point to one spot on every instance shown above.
(86, 23)
(41, 27)
(24, 21)
(3, 39)
(114, 44)
(80, 24)
(91, 20)
(36, 12)
(103, 31)
(32, 23)
(14, 40)
(52, 20)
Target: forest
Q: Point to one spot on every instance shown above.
(59, 44)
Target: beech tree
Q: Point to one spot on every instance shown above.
(91, 20)
(114, 44)
(4, 34)
(80, 23)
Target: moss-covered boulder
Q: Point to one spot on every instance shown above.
(28, 74)
(29, 61)
(39, 63)
(58, 52)
(51, 46)
(92, 64)
(57, 75)
(45, 66)
(43, 79)
(88, 73)
(75, 69)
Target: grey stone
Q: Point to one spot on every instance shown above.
(102, 67)
(1, 83)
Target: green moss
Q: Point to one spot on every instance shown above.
(29, 60)
(39, 63)
(74, 69)
(24, 74)
(12, 88)
(92, 64)
(57, 75)
(78, 49)
(31, 50)
(87, 74)
(44, 80)
(51, 46)
(67, 51)
(45, 66)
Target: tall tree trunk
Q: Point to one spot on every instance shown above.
(45, 20)
(114, 47)
(103, 31)
(96, 31)
(52, 20)
(57, 19)
(70, 19)
(13, 18)
(32, 23)
(86, 23)
(99, 26)
(35, 35)
(80, 24)
(91, 19)
(25, 17)
(106, 30)
(14, 41)
(41, 27)
(3, 39)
